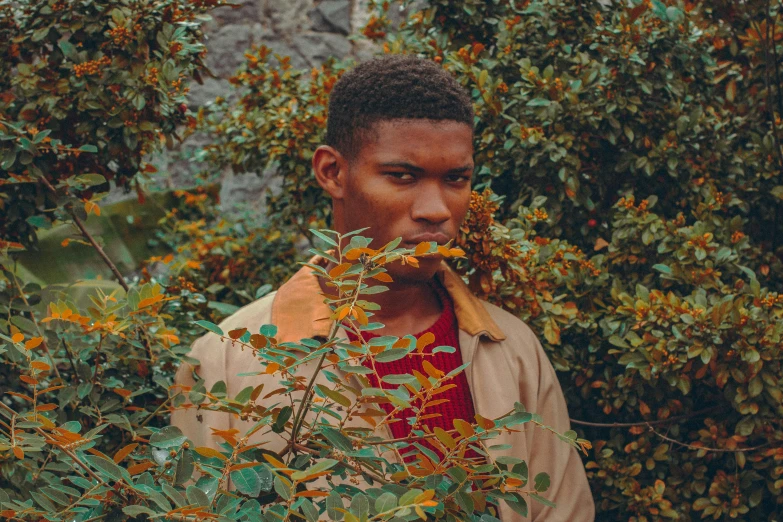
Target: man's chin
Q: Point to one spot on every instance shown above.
(428, 267)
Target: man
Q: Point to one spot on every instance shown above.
(399, 160)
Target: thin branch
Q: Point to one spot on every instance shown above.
(72, 455)
(44, 344)
(643, 423)
(713, 450)
(100, 251)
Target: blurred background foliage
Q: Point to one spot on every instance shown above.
(627, 206)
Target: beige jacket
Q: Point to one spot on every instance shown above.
(507, 364)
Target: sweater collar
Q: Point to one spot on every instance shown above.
(299, 312)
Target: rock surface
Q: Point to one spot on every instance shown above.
(309, 31)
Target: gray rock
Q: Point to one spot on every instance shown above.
(226, 47)
(332, 16)
(316, 48)
(212, 88)
(240, 12)
(287, 17)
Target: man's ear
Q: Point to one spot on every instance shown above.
(330, 169)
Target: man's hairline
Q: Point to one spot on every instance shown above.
(352, 155)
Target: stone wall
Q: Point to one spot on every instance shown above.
(309, 31)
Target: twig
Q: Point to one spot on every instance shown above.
(78, 222)
(72, 455)
(44, 344)
(100, 251)
(714, 450)
(643, 423)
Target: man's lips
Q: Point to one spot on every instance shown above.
(440, 239)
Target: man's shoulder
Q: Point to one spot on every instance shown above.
(252, 315)
(511, 325)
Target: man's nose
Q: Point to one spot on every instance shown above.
(430, 205)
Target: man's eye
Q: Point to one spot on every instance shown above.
(457, 178)
(403, 176)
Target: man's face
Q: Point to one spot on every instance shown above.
(411, 181)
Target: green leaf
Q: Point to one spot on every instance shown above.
(323, 237)
(137, 510)
(541, 482)
(318, 467)
(385, 502)
(393, 354)
(336, 396)
(196, 496)
(399, 378)
(246, 481)
(542, 500)
(333, 503)
(168, 437)
(104, 466)
(339, 440)
(212, 327)
(88, 148)
(360, 506)
(538, 102)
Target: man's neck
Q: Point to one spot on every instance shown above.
(406, 308)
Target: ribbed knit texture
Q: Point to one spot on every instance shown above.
(458, 401)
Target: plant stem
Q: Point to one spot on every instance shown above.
(100, 251)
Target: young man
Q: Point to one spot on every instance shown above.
(399, 160)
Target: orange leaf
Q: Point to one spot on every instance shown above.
(412, 261)
(424, 341)
(360, 316)
(210, 453)
(339, 270)
(600, 243)
(422, 248)
(47, 407)
(18, 453)
(141, 467)
(236, 334)
(40, 365)
(431, 370)
(445, 252)
(484, 422)
(124, 452)
(272, 368)
(383, 277)
(311, 494)
(276, 463)
(27, 379)
(457, 252)
(17, 337)
(464, 428)
(343, 313)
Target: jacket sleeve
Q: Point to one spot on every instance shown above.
(194, 422)
(569, 488)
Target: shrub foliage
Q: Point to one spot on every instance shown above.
(634, 158)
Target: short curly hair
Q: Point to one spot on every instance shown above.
(392, 87)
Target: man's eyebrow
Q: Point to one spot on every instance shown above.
(409, 166)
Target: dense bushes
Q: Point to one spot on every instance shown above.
(634, 154)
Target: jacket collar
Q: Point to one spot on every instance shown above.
(299, 312)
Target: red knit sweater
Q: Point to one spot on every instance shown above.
(459, 403)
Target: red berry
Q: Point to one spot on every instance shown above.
(183, 108)
(592, 223)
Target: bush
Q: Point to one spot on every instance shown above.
(634, 156)
(91, 89)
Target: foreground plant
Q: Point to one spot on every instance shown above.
(121, 460)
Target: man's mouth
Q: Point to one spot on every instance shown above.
(439, 238)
